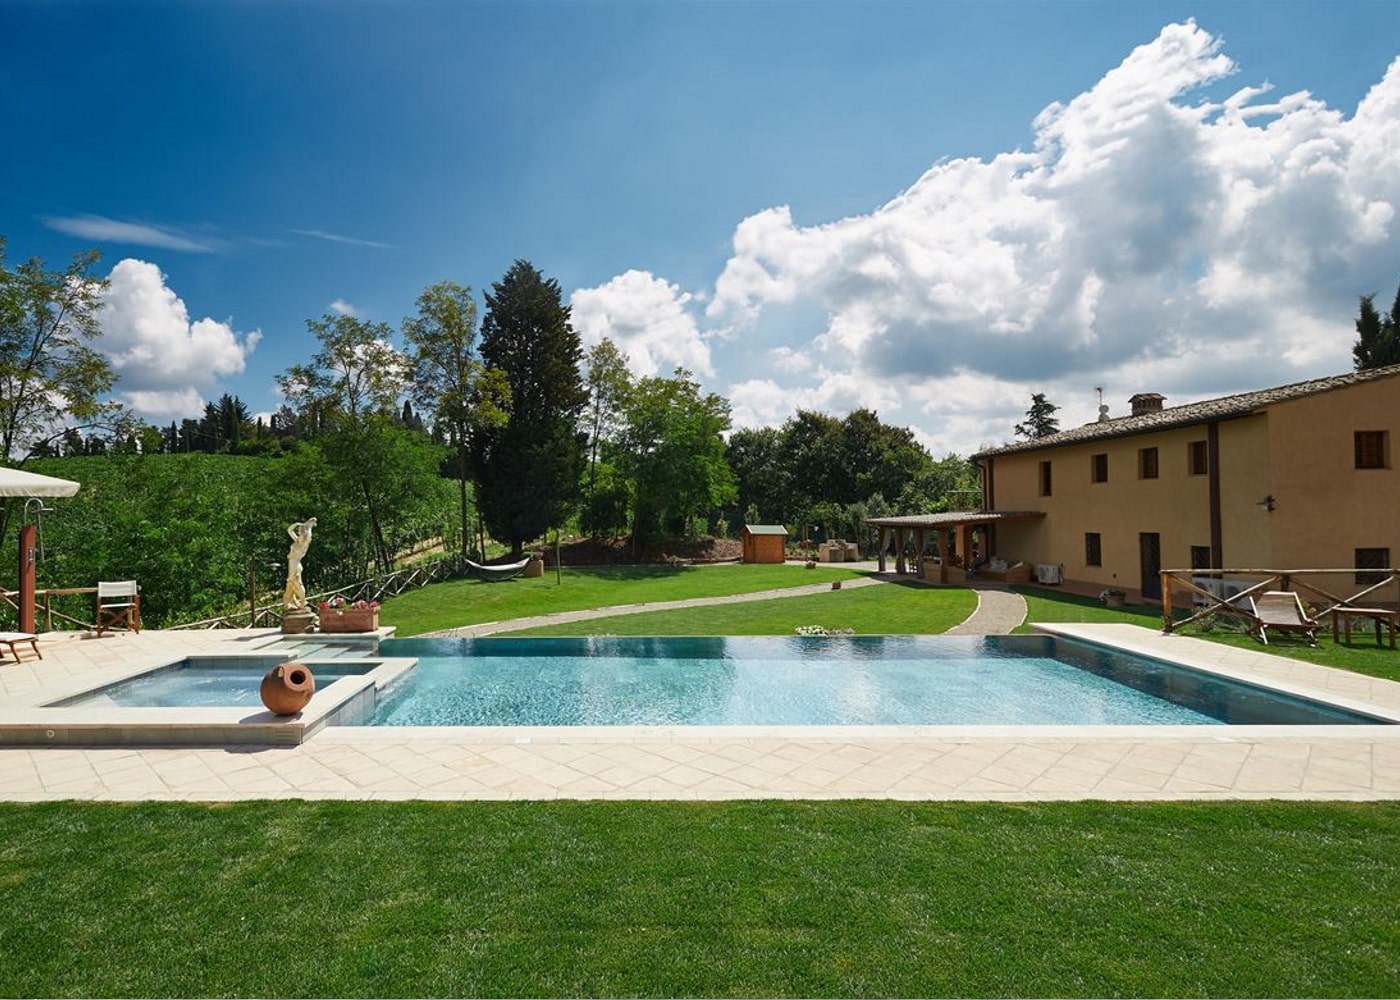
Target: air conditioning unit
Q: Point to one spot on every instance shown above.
(1224, 589)
(1048, 573)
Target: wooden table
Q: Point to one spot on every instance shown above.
(1380, 616)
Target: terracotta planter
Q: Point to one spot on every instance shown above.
(350, 620)
(287, 688)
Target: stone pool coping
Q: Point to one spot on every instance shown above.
(908, 763)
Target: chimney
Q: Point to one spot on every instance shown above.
(1146, 402)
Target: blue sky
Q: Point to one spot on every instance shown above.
(824, 205)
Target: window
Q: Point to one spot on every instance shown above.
(1371, 559)
(1200, 557)
(1045, 479)
(1197, 458)
(1371, 450)
(1093, 549)
(1147, 463)
(1099, 466)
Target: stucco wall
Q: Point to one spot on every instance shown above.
(1326, 508)
(1174, 505)
(1301, 453)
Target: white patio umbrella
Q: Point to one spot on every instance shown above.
(18, 483)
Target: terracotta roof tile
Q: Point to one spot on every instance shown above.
(1223, 408)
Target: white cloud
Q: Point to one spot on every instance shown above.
(647, 318)
(342, 308)
(161, 406)
(97, 227)
(1153, 238)
(163, 359)
(321, 234)
(785, 359)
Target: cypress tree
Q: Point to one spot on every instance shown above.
(528, 471)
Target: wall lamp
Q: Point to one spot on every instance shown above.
(1267, 504)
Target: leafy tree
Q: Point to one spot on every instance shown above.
(953, 483)
(754, 455)
(50, 380)
(605, 507)
(608, 384)
(450, 380)
(810, 456)
(672, 452)
(1377, 337)
(1040, 418)
(528, 471)
(352, 385)
(876, 457)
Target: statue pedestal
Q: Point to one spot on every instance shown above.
(297, 621)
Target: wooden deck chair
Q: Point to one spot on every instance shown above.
(118, 605)
(12, 639)
(1282, 611)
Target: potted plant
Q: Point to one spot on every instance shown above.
(1113, 597)
(340, 615)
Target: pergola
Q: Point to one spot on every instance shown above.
(958, 526)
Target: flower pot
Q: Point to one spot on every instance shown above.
(1114, 600)
(287, 688)
(350, 620)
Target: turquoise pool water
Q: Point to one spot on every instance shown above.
(208, 682)
(864, 680)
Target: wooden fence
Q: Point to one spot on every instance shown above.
(58, 605)
(1208, 587)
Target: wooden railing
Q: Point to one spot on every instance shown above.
(267, 615)
(1182, 581)
(374, 589)
(43, 604)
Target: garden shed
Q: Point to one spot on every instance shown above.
(765, 543)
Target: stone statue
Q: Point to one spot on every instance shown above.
(300, 534)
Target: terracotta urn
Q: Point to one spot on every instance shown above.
(287, 688)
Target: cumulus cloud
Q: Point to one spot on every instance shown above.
(164, 360)
(647, 318)
(342, 308)
(1153, 237)
(100, 228)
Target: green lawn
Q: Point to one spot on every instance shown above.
(1045, 605)
(470, 602)
(848, 898)
(700, 899)
(887, 609)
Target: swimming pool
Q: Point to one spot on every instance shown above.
(863, 680)
(207, 681)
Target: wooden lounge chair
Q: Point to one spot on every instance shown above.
(495, 574)
(1282, 611)
(12, 639)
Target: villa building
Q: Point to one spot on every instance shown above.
(1299, 476)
